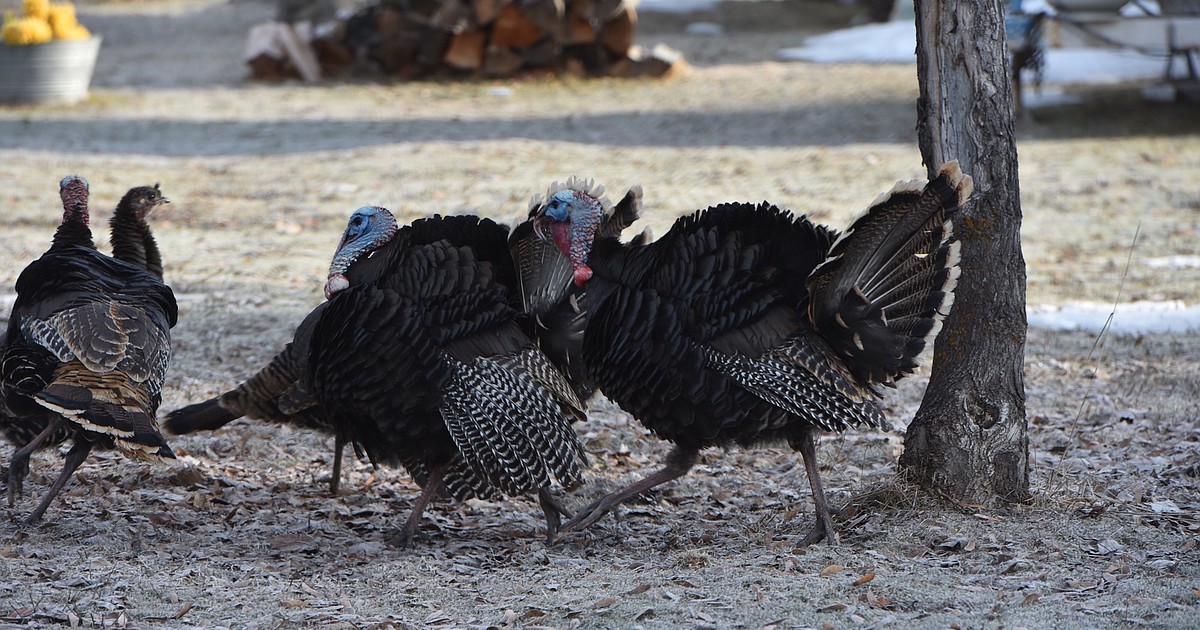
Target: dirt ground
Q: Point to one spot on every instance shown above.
(244, 534)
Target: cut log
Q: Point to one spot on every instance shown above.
(617, 34)
(396, 53)
(578, 31)
(544, 54)
(389, 22)
(501, 61)
(466, 50)
(486, 11)
(547, 15)
(454, 16)
(513, 30)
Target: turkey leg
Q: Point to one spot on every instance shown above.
(74, 458)
(679, 461)
(552, 509)
(824, 527)
(339, 445)
(18, 467)
(433, 485)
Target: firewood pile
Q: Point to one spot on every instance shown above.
(412, 39)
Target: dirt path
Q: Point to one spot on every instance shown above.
(262, 178)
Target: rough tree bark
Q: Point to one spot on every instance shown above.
(969, 440)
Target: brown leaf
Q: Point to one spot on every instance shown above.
(864, 579)
(606, 602)
(533, 613)
(830, 570)
(832, 608)
(293, 603)
(1030, 599)
(639, 589)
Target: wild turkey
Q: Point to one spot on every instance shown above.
(420, 359)
(133, 242)
(130, 235)
(88, 348)
(556, 326)
(552, 306)
(744, 325)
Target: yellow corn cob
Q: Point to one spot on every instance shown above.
(39, 9)
(26, 31)
(62, 19)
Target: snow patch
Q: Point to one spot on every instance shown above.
(1132, 318)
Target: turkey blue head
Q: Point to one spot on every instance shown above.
(73, 190)
(369, 228)
(572, 214)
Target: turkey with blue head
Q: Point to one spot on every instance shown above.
(745, 324)
(420, 359)
(88, 344)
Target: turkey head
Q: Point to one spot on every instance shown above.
(369, 228)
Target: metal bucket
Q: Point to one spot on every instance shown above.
(54, 72)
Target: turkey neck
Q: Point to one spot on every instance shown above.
(74, 230)
(133, 242)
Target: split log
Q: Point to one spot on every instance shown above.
(486, 11)
(466, 51)
(617, 35)
(501, 62)
(513, 30)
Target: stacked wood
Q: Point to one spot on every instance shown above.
(492, 38)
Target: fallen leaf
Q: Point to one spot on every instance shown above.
(183, 610)
(830, 570)
(293, 603)
(1030, 599)
(864, 579)
(832, 608)
(639, 589)
(606, 602)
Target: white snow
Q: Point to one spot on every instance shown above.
(896, 42)
(1130, 318)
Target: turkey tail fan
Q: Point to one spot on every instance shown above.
(109, 404)
(888, 281)
(202, 416)
(257, 397)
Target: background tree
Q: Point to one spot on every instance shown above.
(969, 440)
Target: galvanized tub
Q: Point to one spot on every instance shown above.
(54, 72)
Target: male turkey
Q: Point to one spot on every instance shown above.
(556, 326)
(133, 242)
(419, 358)
(744, 324)
(88, 348)
(552, 307)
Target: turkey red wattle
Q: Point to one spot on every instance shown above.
(576, 251)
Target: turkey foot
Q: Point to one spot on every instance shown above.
(679, 462)
(553, 510)
(18, 467)
(824, 527)
(433, 485)
(74, 458)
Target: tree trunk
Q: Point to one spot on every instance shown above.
(969, 439)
